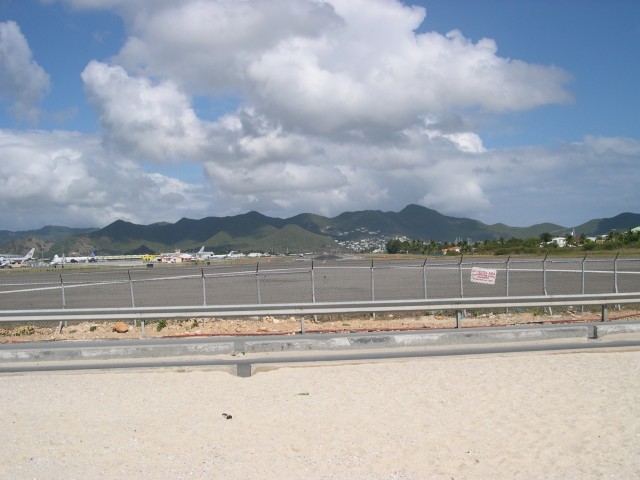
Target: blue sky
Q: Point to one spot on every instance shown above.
(513, 112)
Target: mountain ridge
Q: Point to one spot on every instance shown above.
(306, 231)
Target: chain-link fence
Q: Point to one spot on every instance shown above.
(314, 281)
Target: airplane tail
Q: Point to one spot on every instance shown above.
(201, 250)
(29, 255)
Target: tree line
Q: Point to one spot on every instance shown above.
(542, 244)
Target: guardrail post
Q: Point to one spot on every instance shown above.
(459, 319)
(604, 316)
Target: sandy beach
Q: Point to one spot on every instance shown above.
(572, 415)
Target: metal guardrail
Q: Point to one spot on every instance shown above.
(456, 304)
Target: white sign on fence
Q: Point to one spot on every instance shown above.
(484, 275)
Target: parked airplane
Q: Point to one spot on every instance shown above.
(64, 259)
(202, 255)
(10, 260)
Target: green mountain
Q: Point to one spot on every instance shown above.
(49, 233)
(620, 223)
(253, 231)
(18, 243)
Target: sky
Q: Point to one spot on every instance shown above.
(515, 112)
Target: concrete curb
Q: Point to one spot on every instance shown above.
(440, 338)
(321, 342)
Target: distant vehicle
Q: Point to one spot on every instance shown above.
(64, 259)
(7, 261)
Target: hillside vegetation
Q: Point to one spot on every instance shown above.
(349, 231)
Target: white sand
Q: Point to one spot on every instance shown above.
(547, 416)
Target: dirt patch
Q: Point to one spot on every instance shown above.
(293, 325)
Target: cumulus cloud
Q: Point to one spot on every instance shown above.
(342, 105)
(340, 102)
(23, 82)
(330, 67)
(68, 178)
(153, 121)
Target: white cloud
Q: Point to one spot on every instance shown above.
(342, 106)
(327, 67)
(22, 81)
(153, 121)
(67, 178)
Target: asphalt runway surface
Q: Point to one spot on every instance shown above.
(105, 285)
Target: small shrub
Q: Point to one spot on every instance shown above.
(195, 323)
(93, 328)
(161, 324)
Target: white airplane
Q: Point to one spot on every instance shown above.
(202, 255)
(10, 260)
(64, 259)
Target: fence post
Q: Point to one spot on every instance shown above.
(258, 282)
(313, 296)
(204, 292)
(583, 279)
(204, 289)
(424, 277)
(460, 275)
(133, 299)
(544, 279)
(507, 278)
(615, 277)
(464, 312)
(373, 287)
(64, 303)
